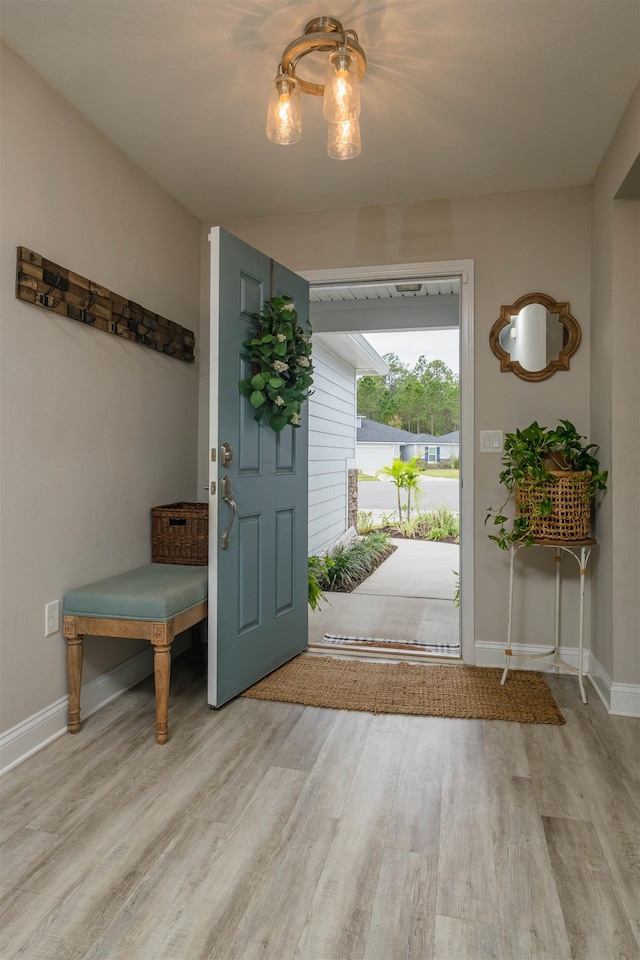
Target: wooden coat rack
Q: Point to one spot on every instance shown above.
(59, 290)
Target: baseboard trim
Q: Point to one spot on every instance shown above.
(620, 699)
(491, 654)
(41, 728)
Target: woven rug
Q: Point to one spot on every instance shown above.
(409, 688)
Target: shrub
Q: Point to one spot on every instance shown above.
(349, 564)
(439, 524)
(365, 522)
(315, 573)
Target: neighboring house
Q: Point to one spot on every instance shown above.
(378, 445)
(338, 359)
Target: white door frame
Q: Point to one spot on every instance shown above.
(463, 269)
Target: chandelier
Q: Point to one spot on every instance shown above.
(345, 67)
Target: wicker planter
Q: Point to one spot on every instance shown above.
(569, 494)
(180, 534)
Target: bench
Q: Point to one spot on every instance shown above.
(155, 603)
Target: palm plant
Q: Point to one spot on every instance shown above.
(405, 474)
(395, 473)
(412, 474)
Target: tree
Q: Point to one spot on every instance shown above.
(373, 396)
(410, 401)
(442, 395)
(423, 399)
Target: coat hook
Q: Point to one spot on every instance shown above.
(83, 312)
(44, 297)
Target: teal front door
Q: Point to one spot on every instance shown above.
(258, 507)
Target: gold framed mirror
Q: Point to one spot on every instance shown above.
(534, 337)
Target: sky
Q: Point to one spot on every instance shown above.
(433, 344)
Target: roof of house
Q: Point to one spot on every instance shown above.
(373, 432)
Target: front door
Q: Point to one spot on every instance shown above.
(258, 508)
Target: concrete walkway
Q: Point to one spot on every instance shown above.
(417, 568)
(409, 597)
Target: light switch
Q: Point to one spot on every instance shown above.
(491, 441)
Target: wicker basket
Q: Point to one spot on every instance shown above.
(569, 494)
(180, 534)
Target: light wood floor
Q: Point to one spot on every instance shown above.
(269, 830)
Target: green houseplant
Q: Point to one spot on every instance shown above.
(553, 477)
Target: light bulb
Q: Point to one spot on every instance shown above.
(343, 141)
(284, 117)
(341, 87)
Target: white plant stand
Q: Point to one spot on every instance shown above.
(580, 550)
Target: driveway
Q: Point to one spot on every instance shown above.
(434, 492)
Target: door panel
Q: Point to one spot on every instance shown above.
(258, 584)
(285, 573)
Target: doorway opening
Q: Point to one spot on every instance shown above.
(410, 599)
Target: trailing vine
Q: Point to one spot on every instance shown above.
(280, 357)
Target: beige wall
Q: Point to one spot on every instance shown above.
(615, 366)
(94, 430)
(521, 243)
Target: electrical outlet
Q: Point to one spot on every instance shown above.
(51, 618)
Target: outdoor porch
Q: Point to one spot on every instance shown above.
(409, 598)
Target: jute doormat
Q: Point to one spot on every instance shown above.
(409, 688)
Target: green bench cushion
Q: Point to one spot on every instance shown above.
(156, 592)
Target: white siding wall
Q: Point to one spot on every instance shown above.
(372, 456)
(332, 419)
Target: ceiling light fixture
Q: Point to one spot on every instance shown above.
(346, 66)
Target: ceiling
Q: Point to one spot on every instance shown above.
(461, 97)
(402, 289)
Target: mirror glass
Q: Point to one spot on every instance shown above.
(534, 337)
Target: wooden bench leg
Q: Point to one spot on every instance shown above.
(74, 672)
(162, 640)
